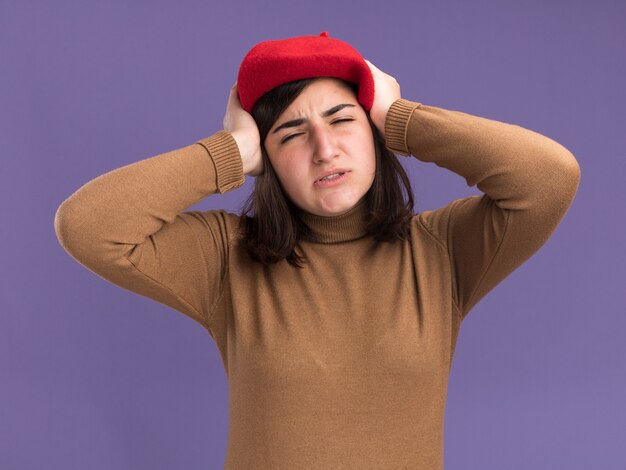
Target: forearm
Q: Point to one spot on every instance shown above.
(121, 208)
(516, 167)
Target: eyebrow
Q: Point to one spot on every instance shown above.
(297, 122)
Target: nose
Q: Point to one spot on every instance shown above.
(324, 145)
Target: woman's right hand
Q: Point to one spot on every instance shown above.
(244, 130)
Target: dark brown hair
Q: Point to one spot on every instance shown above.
(272, 225)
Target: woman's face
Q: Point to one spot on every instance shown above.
(323, 130)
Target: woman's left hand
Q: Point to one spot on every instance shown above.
(386, 91)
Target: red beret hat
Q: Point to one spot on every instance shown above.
(275, 62)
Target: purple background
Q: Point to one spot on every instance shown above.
(94, 376)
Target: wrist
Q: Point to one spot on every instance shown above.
(243, 146)
(396, 124)
(379, 120)
(249, 151)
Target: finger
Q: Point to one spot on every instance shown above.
(234, 94)
(372, 66)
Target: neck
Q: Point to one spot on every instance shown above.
(337, 228)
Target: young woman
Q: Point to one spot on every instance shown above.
(335, 308)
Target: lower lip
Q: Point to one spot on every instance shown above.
(332, 182)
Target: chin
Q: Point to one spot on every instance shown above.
(337, 209)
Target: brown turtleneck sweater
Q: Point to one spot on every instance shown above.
(345, 363)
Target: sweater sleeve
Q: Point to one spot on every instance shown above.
(129, 226)
(529, 182)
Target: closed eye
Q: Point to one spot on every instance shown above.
(299, 133)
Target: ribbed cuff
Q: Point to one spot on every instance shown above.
(224, 152)
(396, 124)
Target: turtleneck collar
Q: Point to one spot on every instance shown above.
(337, 228)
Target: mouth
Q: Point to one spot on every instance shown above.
(332, 180)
